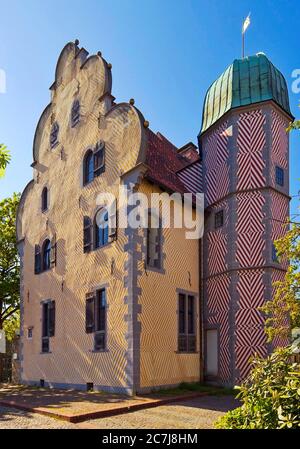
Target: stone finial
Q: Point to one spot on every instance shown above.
(76, 42)
(99, 53)
(109, 65)
(146, 124)
(131, 101)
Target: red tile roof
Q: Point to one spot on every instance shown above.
(164, 162)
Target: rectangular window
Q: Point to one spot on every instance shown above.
(95, 318)
(219, 219)
(48, 324)
(274, 253)
(181, 314)
(279, 176)
(154, 243)
(29, 332)
(186, 323)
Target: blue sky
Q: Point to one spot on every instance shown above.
(164, 54)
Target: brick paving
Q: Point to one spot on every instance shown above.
(77, 406)
(197, 413)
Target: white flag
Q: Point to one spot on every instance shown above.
(246, 23)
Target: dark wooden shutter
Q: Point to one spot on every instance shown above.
(87, 234)
(53, 251)
(75, 113)
(51, 309)
(153, 243)
(90, 313)
(113, 222)
(182, 328)
(158, 241)
(99, 162)
(37, 259)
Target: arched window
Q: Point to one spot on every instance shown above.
(88, 167)
(54, 135)
(44, 199)
(46, 255)
(75, 113)
(101, 228)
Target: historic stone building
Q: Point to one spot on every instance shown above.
(130, 310)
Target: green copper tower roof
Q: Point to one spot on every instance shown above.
(245, 81)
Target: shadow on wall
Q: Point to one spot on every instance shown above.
(70, 314)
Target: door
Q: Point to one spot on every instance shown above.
(212, 352)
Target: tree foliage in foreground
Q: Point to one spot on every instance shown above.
(4, 159)
(9, 263)
(283, 311)
(270, 395)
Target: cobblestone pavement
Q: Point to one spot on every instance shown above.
(200, 413)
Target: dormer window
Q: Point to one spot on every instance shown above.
(54, 135)
(75, 113)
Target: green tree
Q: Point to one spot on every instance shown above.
(270, 395)
(9, 263)
(294, 125)
(283, 311)
(4, 159)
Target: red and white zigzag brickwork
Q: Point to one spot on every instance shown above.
(278, 276)
(279, 213)
(191, 177)
(251, 141)
(218, 300)
(250, 229)
(216, 163)
(250, 338)
(279, 155)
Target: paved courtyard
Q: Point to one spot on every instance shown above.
(198, 413)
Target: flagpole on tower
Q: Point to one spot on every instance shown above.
(243, 45)
(246, 23)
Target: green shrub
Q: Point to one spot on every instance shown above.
(270, 395)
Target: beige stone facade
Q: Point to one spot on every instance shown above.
(142, 304)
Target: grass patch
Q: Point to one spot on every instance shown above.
(185, 387)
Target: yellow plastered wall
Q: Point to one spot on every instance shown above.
(160, 363)
(71, 359)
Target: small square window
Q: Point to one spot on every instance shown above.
(279, 176)
(219, 219)
(29, 332)
(274, 253)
